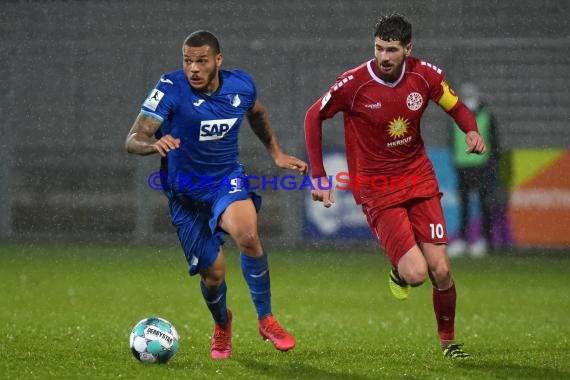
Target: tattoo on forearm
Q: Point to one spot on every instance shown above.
(140, 139)
(146, 125)
(262, 129)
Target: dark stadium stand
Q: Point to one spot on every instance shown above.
(75, 73)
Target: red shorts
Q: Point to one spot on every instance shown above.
(400, 227)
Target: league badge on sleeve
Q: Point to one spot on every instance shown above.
(153, 99)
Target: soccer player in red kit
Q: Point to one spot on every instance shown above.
(391, 176)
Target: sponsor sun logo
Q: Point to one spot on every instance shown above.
(398, 127)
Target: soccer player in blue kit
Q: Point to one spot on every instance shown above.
(192, 119)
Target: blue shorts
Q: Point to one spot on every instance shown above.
(196, 215)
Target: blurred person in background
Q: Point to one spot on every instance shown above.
(476, 174)
(382, 102)
(192, 119)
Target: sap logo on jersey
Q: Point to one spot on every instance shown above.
(215, 129)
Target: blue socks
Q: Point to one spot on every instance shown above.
(216, 302)
(256, 273)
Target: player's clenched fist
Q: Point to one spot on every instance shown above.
(322, 191)
(475, 143)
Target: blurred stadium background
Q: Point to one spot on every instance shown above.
(75, 73)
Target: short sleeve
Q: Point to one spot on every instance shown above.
(252, 85)
(161, 101)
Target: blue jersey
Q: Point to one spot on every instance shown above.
(207, 125)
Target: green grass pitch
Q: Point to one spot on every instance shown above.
(66, 313)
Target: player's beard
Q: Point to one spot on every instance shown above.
(393, 72)
(208, 82)
(211, 77)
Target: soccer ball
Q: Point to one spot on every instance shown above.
(154, 340)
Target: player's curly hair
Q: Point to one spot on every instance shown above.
(201, 38)
(394, 27)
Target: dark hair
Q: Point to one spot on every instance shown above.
(394, 27)
(201, 38)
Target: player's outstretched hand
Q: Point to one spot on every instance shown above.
(166, 144)
(475, 143)
(323, 191)
(285, 161)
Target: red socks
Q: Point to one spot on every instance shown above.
(444, 307)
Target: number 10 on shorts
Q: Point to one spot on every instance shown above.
(436, 230)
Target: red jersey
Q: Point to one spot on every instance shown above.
(385, 152)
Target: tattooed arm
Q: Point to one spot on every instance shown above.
(140, 139)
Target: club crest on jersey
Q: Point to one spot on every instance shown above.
(414, 101)
(235, 100)
(215, 129)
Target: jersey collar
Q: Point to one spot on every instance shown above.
(209, 94)
(377, 78)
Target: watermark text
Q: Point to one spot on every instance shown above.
(340, 181)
